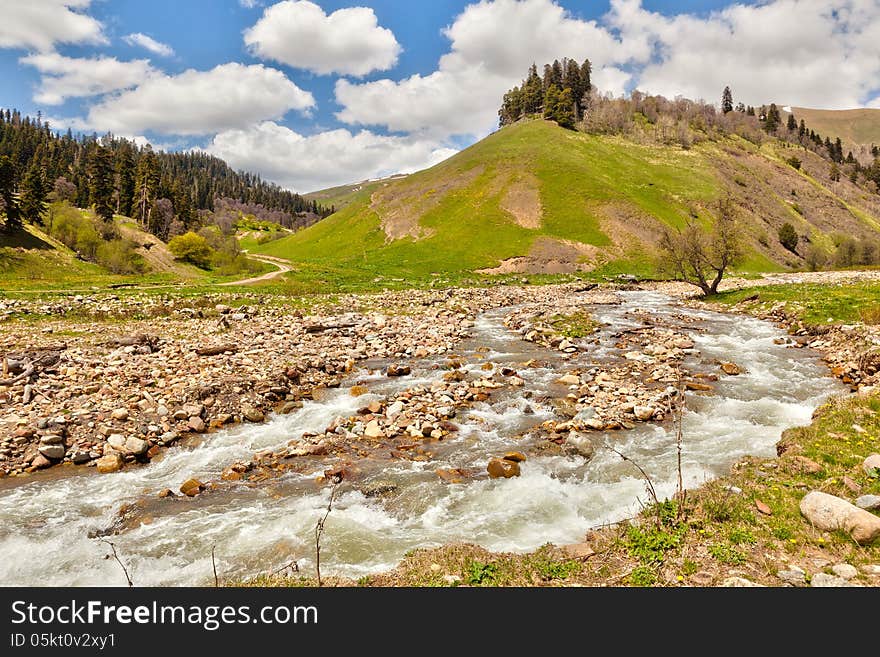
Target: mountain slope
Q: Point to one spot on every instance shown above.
(855, 126)
(342, 195)
(533, 197)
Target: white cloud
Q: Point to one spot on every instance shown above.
(348, 41)
(325, 159)
(149, 43)
(227, 97)
(249, 4)
(68, 77)
(40, 24)
(814, 53)
(492, 45)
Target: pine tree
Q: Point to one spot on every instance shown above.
(838, 150)
(145, 187)
(533, 92)
(727, 100)
(802, 129)
(792, 123)
(772, 119)
(125, 175)
(551, 99)
(834, 172)
(34, 194)
(8, 197)
(564, 112)
(101, 187)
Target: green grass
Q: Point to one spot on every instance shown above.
(814, 303)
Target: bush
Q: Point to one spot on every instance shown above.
(793, 162)
(192, 248)
(788, 237)
(119, 257)
(816, 258)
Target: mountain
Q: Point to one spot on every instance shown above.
(339, 197)
(533, 197)
(855, 126)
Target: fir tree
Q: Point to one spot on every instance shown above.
(792, 123)
(101, 187)
(772, 119)
(146, 184)
(125, 176)
(34, 194)
(8, 197)
(727, 100)
(802, 129)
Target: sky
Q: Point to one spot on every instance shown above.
(312, 94)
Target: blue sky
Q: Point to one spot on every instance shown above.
(312, 94)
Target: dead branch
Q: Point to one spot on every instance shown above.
(319, 528)
(214, 566)
(318, 328)
(28, 370)
(119, 561)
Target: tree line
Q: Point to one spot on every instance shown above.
(163, 192)
(560, 95)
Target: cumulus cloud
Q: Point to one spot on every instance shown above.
(492, 45)
(39, 25)
(69, 77)
(194, 102)
(326, 159)
(348, 41)
(149, 43)
(809, 53)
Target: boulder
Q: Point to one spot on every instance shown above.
(110, 463)
(868, 502)
(831, 513)
(731, 369)
(871, 464)
(569, 380)
(136, 446)
(398, 370)
(793, 577)
(824, 581)
(252, 414)
(378, 488)
(373, 430)
(53, 452)
(578, 444)
(644, 413)
(515, 457)
(192, 487)
(844, 570)
(499, 468)
(196, 424)
(81, 457)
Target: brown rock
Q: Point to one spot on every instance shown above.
(693, 385)
(515, 457)
(763, 508)
(41, 462)
(454, 476)
(192, 487)
(166, 493)
(731, 369)
(499, 468)
(196, 424)
(578, 550)
(109, 463)
(807, 465)
(357, 391)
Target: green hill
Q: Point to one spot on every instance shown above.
(343, 195)
(855, 126)
(533, 197)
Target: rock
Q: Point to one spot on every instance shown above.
(52, 439)
(739, 582)
(731, 369)
(252, 414)
(516, 382)
(378, 488)
(136, 446)
(109, 463)
(398, 370)
(702, 578)
(515, 457)
(871, 569)
(120, 414)
(831, 513)
(569, 380)
(453, 476)
(872, 464)
(192, 487)
(54, 452)
(40, 462)
(578, 444)
(395, 409)
(824, 581)
(844, 570)
(851, 486)
(644, 413)
(499, 468)
(196, 424)
(807, 465)
(578, 551)
(81, 457)
(868, 502)
(166, 493)
(793, 577)
(693, 385)
(763, 508)
(357, 391)
(452, 580)
(373, 430)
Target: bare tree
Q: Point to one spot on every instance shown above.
(700, 257)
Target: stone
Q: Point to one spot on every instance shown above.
(499, 468)
(452, 580)
(824, 581)
(579, 445)
(395, 409)
(868, 502)
(136, 446)
(373, 430)
(702, 578)
(196, 424)
(578, 551)
(516, 457)
(379, 488)
(166, 493)
(807, 465)
(54, 452)
(357, 391)
(731, 369)
(40, 462)
(398, 370)
(52, 439)
(739, 582)
(120, 414)
(192, 487)
(793, 577)
(81, 457)
(252, 414)
(643, 413)
(109, 463)
(872, 464)
(700, 387)
(844, 570)
(763, 508)
(116, 441)
(453, 476)
(831, 513)
(871, 569)
(569, 380)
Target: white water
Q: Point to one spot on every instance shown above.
(45, 523)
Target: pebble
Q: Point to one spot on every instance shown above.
(824, 580)
(844, 570)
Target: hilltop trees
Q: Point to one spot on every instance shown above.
(561, 95)
(772, 119)
(700, 257)
(727, 100)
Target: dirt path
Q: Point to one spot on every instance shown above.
(282, 265)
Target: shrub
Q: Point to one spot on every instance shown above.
(119, 257)
(816, 258)
(793, 162)
(788, 237)
(192, 248)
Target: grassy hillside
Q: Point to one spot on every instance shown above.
(535, 198)
(856, 126)
(343, 195)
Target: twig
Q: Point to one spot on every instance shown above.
(649, 485)
(214, 565)
(319, 528)
(119, 561)
(293, 565)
